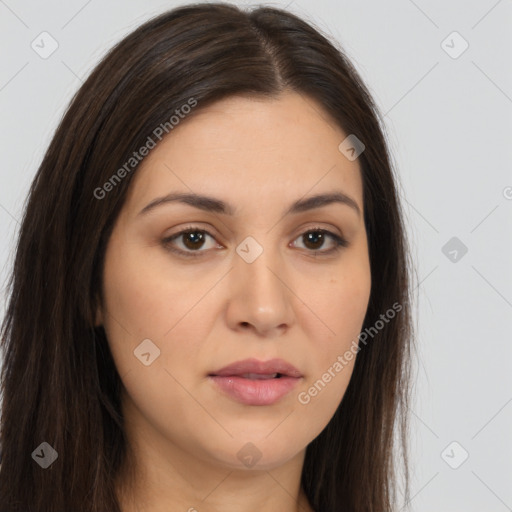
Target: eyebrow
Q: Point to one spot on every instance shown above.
(214, 205)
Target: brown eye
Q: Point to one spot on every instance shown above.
(315, 239)
(192, 241)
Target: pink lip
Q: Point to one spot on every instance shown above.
(257, 391)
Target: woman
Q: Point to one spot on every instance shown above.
(209, 307)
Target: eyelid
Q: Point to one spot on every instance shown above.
(339, 241)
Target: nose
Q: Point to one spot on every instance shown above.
(261, 296)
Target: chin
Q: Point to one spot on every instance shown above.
(254, 455)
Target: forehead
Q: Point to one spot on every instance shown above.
(246, 148)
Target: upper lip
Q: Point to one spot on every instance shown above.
(259, 367)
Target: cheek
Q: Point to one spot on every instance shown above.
(138, 303)
(341, 305)
(142, 306)
(147, 298)
(346, 306)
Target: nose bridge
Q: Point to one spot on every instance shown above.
(260, 264)
(261, 295)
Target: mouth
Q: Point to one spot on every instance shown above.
(252, 368)
(254, 382)
(259, 376)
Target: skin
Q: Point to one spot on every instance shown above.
(292, 302)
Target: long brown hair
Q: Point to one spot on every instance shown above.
(59, 383)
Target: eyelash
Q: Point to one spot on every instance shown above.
(340, 242)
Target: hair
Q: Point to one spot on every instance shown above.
(59, 383)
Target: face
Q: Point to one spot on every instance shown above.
(252, 278)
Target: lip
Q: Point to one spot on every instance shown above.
(260, 367)
(254, 391)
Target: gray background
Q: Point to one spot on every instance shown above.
(449, 121)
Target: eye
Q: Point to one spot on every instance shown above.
(193, 240)
(315, 238)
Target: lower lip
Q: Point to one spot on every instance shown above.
(255, 391)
